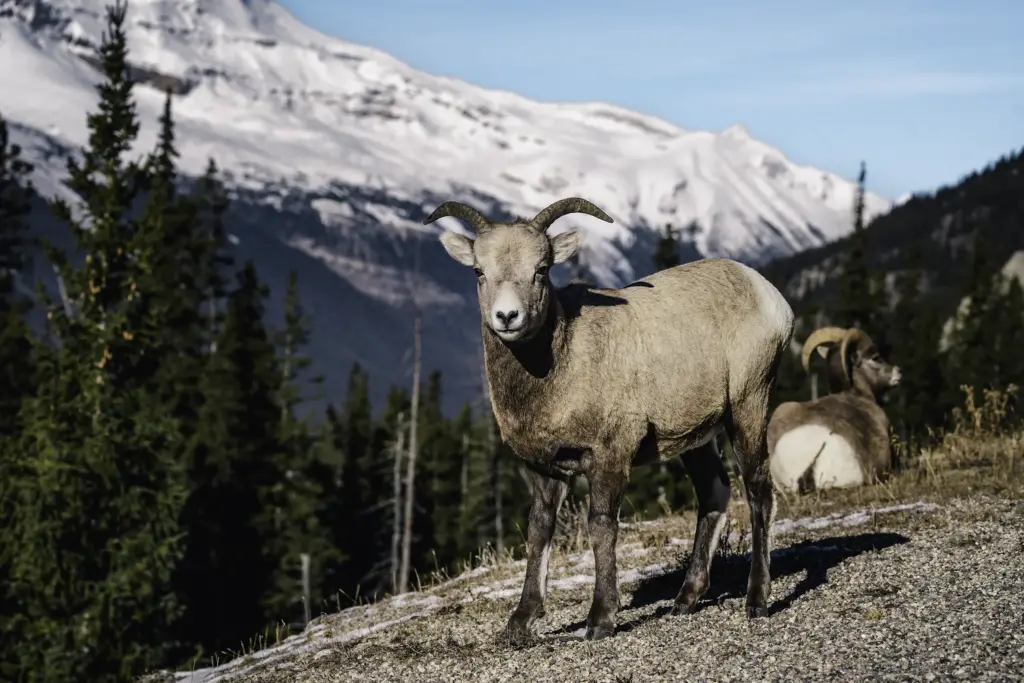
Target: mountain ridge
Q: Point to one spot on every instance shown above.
(336, 152)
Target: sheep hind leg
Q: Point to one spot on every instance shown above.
(747, 429)
(711, 484)
(607, 485)
(548, 495)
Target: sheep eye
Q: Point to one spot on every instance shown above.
(542, 271)
(479, 273)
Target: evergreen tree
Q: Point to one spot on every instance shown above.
(378, 467)
(172, 223)
(228, 573)
(914, 332)
(985, 343)
(440, 495)
(297, 497)
(463, 432)
(971, 357)
(16, 379)
(357, 513)
(1009, 332)
(94, 536)
(213, 259)
(327, 471)
(666, 253)
(860, 294)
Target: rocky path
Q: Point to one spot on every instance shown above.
(910, 593)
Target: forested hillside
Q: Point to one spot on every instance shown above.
(930, 231)
(902, 277)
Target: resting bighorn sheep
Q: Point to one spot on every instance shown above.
(588, 381)
(841, 439)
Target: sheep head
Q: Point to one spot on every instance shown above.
(859, 356)
(511, 262)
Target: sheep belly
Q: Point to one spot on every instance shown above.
(836, 466)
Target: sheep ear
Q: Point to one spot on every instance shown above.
(565, 245)
(459, 247)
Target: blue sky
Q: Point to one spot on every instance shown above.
(924, 91)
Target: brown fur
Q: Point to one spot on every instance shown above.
(598, 380)
(853, 412)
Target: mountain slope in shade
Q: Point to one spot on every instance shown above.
(335, 153)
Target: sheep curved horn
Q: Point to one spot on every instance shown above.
(548, 215)
(859, 339)
(467, 214)
(820, 337)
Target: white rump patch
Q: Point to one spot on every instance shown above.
(771, 302)
(834, 460)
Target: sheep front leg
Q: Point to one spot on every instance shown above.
(606, 489)
(548, 495)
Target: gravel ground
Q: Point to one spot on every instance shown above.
(925, 594)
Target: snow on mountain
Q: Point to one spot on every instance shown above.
(336, 152)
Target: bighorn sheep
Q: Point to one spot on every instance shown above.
(588, 381)
(841, 439)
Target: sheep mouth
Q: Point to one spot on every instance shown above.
(510, 334)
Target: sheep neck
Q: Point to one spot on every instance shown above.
(863, 388)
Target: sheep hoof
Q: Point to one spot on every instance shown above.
(514, 635)
(757, 611)
(683, 608)
(598, 632)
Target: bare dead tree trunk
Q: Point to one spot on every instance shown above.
(304, 558)
(396, 500)
(464, 478)
(69, 308)
(410, 476)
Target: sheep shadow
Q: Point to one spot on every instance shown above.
(729, 575)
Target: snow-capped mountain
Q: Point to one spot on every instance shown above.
(335, 153)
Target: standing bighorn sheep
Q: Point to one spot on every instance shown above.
(841, 439)
(592, 381)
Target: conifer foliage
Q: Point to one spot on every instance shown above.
(17, 379)
(861, 299)
(94, 534)
(15, 347)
